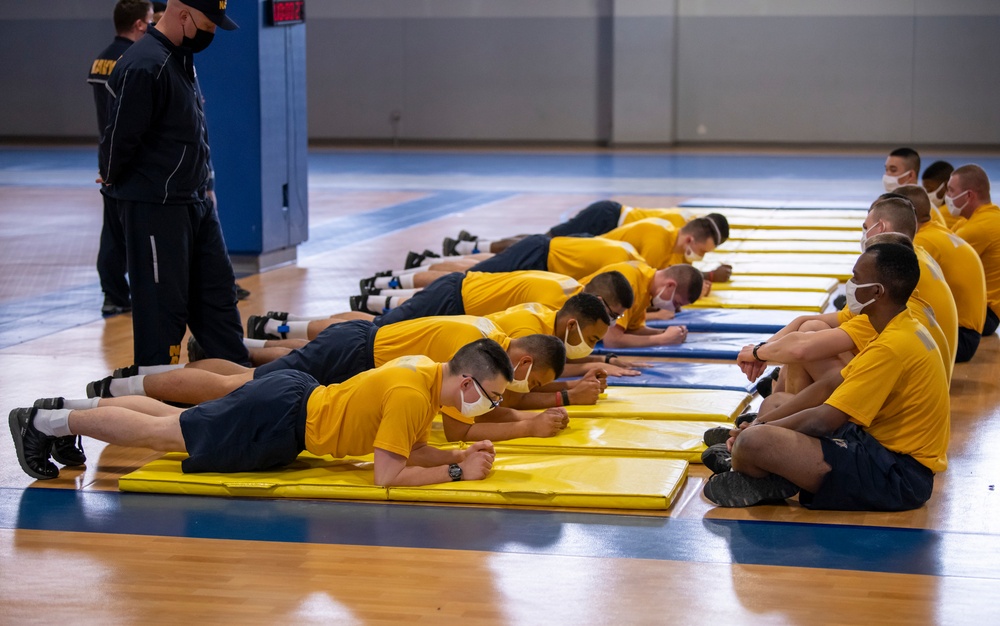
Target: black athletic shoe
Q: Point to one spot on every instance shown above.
(278, 315)
(430, 254)
(31, 445)
(734, 489)
(359, 303)
(765, 386)
(383, 273)
(448, 246)
(100, 388)
(110, 310)
(840, 301)
(464, 235)
(52, 404)
(746, 418)
(717, 458)
(241, 293)
(126, 372)
(719, 434)
(256, 328)
(413, 259)
(367, 286)
(195, 351)
(65, 450)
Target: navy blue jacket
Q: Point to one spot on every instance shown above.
(100, 69)
(155, 147)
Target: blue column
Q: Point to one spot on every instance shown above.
(254, 81)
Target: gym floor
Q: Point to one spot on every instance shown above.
(75, 549)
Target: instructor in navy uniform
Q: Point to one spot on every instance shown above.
(155, 164)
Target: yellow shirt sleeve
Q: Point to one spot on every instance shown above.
(405, 418)
(868, 379)
(860, 330)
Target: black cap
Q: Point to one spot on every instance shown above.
(214, 10)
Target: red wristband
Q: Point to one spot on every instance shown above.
(559, 399)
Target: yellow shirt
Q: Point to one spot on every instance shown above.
(639, 276)
(952, 222)
(654, 238)
(982, 232)
(861, 331)
(390, 407)
(963, 271)
(897, 391)
(676, 216)
(577, 257)
(484, 292)
(937, 218)
(437, 337)
(933, 288)
(525, 319)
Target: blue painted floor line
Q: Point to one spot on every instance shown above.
(861, 548)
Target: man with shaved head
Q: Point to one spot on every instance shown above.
(962, 268)
(968, 196)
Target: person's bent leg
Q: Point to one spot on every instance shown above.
(126, 427)
(193, 386)
(763, 450)
(968, 343)
(992, 321)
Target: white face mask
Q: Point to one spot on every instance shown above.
(864, 238)
(665, 304)
(891, 183)
(691, 256)
(521, 386)
(579, 350)
(937, 198)
(851, 289)
(954, 209)
(477, 408)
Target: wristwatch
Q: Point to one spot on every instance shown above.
(755, 348)
(455, 472)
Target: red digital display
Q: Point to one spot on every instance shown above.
(287, 12)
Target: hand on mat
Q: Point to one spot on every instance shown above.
(587, 390)
(616, 370)
(549, 422)
(706, 288)
(478, 461)
(673, 335)
(722, 274)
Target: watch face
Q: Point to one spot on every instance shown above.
(455, 472)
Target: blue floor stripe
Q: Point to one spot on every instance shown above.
(344, 231)
(862, 548)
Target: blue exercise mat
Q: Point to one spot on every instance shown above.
(757, 203)
(729, 320)
(677, 375)
(698, 346)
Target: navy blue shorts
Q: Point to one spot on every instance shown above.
(259, 426)
(531, 253)
(992, 321)
(598, 218)
(968, 343)
(441, 297)
(865, 476)
(339, 352)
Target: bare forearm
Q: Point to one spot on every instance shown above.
(493, 431)
(429, 456)
(816, 422)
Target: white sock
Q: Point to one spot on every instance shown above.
(54, 423)
(298, 330)
(466, 247)
(131, 386)
(158, 369)
(79, 405)
(306, 318)
(254, 343)
(386, 282)
(401, 293)
(375, 303)
(406, 281)
(395, 301)
(272, 327)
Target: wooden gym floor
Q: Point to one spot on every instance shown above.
(75, 549)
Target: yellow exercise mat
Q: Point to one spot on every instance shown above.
(620, 437)
(809, 301)
(532, 480)
(791, 220)
(794, 234)
(757, 246)
(742, 282)
(610, 437)
(839, 266)
(651, 403)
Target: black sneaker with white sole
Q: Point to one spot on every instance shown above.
(67, 450)
(32, 446)
(256, 328)
(126, 372)
(413, 259)
(464, 235)
(719, 434)
(717, 458)
(448, 246)
(278, 315)
(735, 489)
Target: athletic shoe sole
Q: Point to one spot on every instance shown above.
(14, 421)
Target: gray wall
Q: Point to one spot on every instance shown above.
(625, 71)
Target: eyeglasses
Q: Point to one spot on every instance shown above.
(614, 316)
(493, 403)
